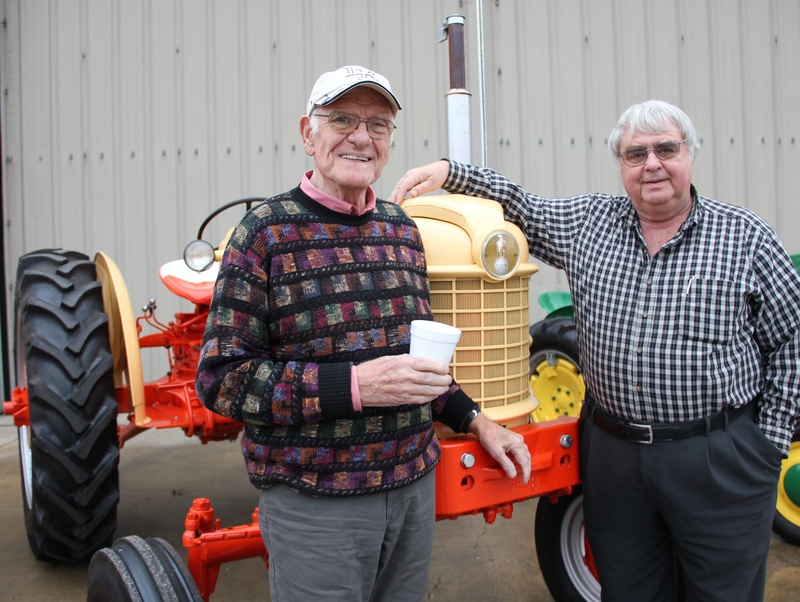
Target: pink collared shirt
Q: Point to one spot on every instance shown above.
(331, 202)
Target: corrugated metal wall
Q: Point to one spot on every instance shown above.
(124, 122)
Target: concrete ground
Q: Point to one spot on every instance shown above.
(161, 472)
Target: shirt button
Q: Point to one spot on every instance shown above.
(638, 389)
(638, 350)
(644, 315)
(649, 282)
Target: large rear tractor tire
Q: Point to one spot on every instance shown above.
(563, 550)
(135, 570)
(787, 513)
(556, 377)
(69, 454)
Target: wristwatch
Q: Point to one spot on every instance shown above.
(473, 414)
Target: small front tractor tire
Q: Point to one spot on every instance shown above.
(69, 452)
(556, 378)
(138, 570)
(563, 550)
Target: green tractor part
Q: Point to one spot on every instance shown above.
(557, 304)
(787, 514)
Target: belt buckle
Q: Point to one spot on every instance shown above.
(648, 428)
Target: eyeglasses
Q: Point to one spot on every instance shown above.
(347, 123)
(665, 151)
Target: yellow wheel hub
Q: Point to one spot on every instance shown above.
(559, 387)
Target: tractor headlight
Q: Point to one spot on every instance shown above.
(500, 255)
(199, 255)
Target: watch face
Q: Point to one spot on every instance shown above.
(468, 419)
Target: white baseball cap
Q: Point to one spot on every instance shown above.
(334, 84)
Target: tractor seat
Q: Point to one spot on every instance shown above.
(197, 287)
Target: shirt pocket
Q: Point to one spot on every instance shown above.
(709, 309)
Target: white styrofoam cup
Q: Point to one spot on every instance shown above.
(433, 340)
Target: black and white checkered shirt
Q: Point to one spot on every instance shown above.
(711, 321)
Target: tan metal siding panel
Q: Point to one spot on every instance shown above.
(292, 86)
(535, 68)
(163, 160)
(258, 116)
(36, 119)
(630, 33)
(758, 140)
(321, 24)
(405, 50)
(69, 164)
(569, 113)
(602, 110)
(661, 72)
(696, 85)
(355, 19)
(100, 208)
(11, 164)
(727, 132)
(193, 123)
(11, 56)
(504, 137)
(228, 85)
(133, 197)
(787, 119)
(532, 53)
(160, 227)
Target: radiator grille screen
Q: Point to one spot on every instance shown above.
(491, 360)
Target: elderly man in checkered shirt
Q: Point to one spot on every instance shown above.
(688, 319)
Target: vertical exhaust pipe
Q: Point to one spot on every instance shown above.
(458, 97)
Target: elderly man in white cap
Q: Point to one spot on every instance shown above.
(307, 344)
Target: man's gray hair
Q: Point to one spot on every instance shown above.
(653, 117)
(314, 121)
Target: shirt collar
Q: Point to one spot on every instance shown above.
(628, 214)
(697, 210)
(331, 202)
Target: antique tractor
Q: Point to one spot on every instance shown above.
(81, 394)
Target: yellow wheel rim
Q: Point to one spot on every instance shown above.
(559, 387)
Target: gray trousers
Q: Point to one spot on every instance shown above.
(374, 547)
(707, 501)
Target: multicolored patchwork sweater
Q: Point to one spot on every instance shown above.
(303, 294)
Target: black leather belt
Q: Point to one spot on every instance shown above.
(665, 431)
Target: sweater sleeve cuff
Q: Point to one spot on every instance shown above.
(334, 390)
(456, 410)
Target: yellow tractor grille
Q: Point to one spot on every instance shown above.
(491, 359)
